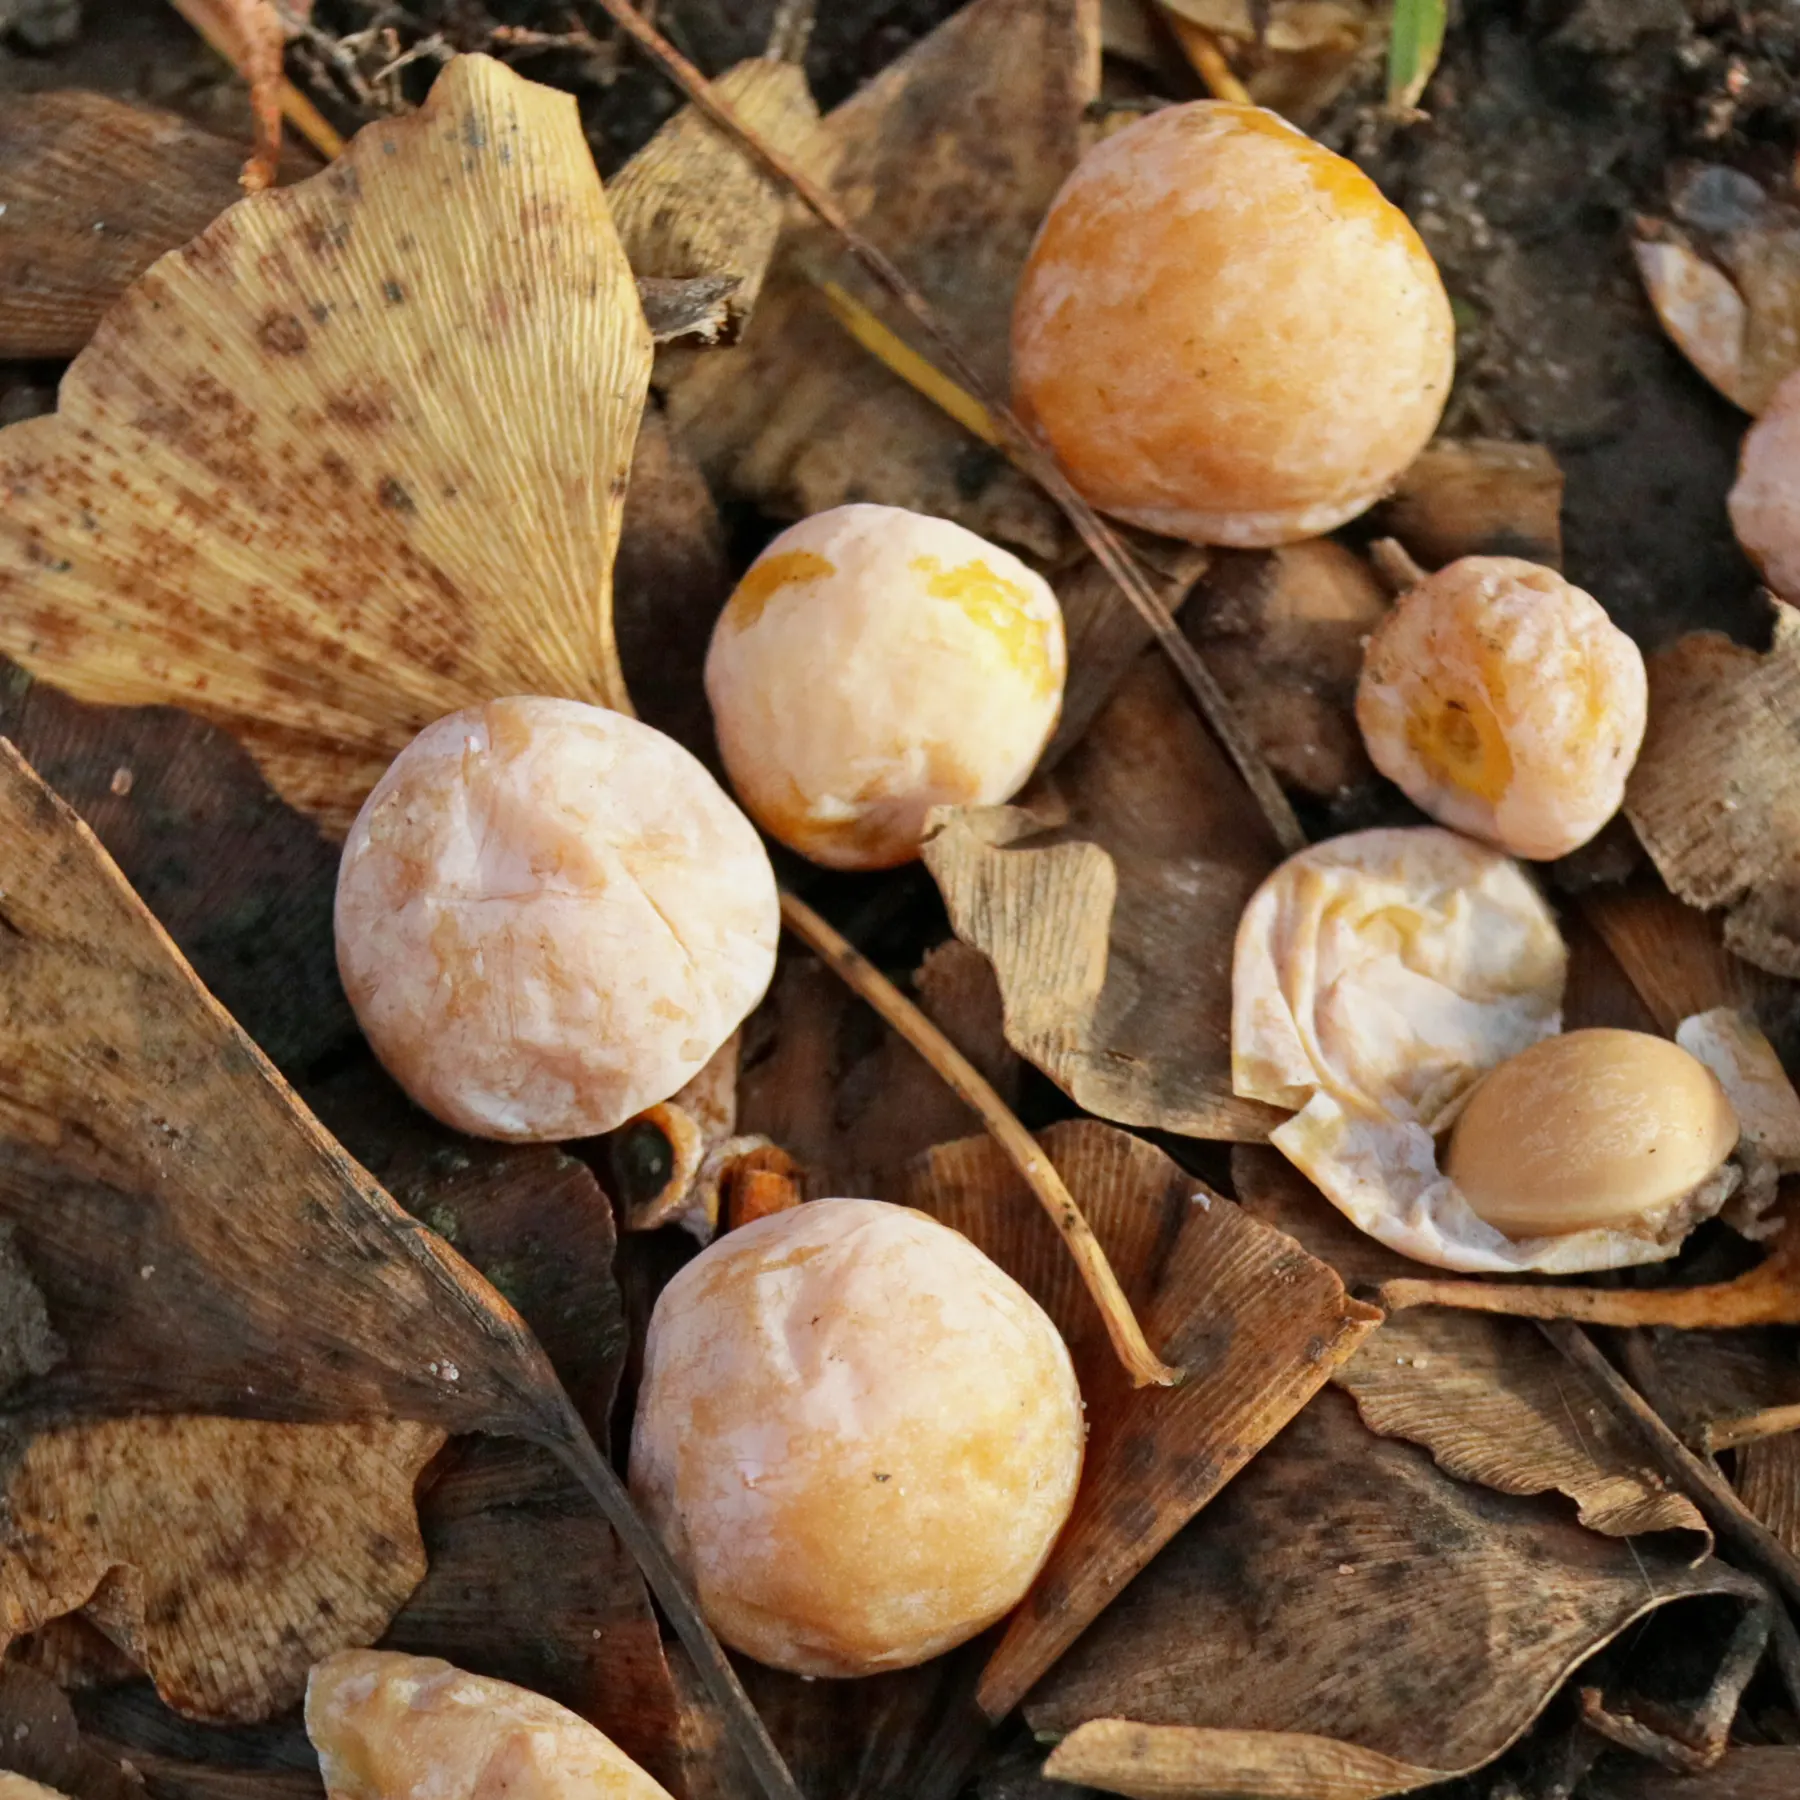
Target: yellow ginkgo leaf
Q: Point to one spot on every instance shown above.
(353, 458)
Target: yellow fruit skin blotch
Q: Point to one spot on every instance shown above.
(1461, 743)
(998, 606)
(763, 579)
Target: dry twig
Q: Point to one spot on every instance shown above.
(1018, 442)
(1144, 1366)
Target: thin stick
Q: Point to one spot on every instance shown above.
(295, 107)
(1208, 57)
(576, 1450)
(1144, 1366)
(1749, 1428)
(1017, 441)
(1768, 1295)
(1699, 1480)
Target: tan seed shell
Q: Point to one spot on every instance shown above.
(1590, 1130)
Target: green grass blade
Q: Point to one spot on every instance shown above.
(1413, 48)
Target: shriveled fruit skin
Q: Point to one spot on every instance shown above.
(872, 664)
(1506, 703)
(549, 916)
(858, 1435)
(1589, 1130)
(391, 1727)
(1765, 500)
(1227, 333)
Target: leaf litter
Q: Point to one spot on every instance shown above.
(1126, 768)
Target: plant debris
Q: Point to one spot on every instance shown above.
(1486, 1396)
(1416, 1619)
(326, 621)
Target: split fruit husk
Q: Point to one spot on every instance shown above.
(1345, 1620)
(96, 190)
(353, 458)
(1107, 898)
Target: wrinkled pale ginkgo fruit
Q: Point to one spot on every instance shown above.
(392, 1727)
(352, 459)
(549, 916)
(858, 1435)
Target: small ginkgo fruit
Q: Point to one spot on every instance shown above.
(1226, 332)
(1506, 703)
(549, 917)
(858, 1435)
(872, 664)
(393, 1727)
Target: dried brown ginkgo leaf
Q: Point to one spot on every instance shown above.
(96, 190)
(135, 1118)
(1107, 897)
(1255, 1323)
(1478, 497)
(1486, 1396)
(1344, 1588)
(1283, 630)
(1715, 794)
(224, 1556)
(1724, 278)
(354, 457)
(692, 204)
(946, 161)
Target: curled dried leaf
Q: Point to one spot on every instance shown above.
(224, 1556)
(691, 204)
(1181, 1762)
(1724, 278)
(1107, 898)
(1479, 497)
(338, 467)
